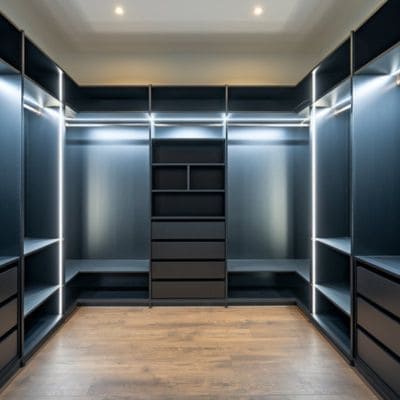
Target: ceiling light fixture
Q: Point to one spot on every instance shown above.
(119, 10)
(258, 10)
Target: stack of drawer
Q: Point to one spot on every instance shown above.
(378, 325)
(8, 314)
(188, 259)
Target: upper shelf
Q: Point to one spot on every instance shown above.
(341, 244)
(388, 264)
(299, 266)
(32, 245)
(4, 261)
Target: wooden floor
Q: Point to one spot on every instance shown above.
(187, 353)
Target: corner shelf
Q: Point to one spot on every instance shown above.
(36, 296)
(338, 294)
(5, 261)
(387, 264)
(43, 326)
(32, 245)
(92, 266)
(341, 244)
(299, 266)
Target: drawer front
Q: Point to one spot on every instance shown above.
(384, 365)
(382, 291)
(188, 270)
(188, 230)
(379, 325)
(8, 316)
(188, 290)
(8, 284)
(188, 250)
(8, 349)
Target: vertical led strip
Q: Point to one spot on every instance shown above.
(313, 131)
(61, 191)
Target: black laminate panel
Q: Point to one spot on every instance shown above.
(8, 284)
(8, 316)
(188, 230)
(384, 292)
(8, 349)
(384, 328)
(188, 250)
(188, 290)
(11, 43)
(170, 177)
(384, 365)
(207, 178)
(188, 270)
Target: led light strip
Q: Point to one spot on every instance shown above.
(61, 193)
(313, 132)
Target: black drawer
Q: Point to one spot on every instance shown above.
(382, 291)
(188, 250)
(8, 349)
(8, 316)
(8, 284)
(188, 230)
(379, 325)
(188, 270)
(381, 362)
(188, 290)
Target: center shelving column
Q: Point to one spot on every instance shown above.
(188, 211)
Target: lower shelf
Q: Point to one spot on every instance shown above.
(338, 294)
(336, 330)
(38, 331)
(113, 297)
(88, 266)
(35, 296)
(261, 293)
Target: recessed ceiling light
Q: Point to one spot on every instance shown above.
(258, 10)
(119, 10)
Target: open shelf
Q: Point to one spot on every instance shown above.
(301, 267)
(335, 329)
(172, 164)
(4, 261)
(338, 294)
(188, 190)
(74, 267)
(35, 296)
(387, 264)
(342, 244)
(188, 218)
(262, 294)
(32, 245)
(109, 296)
(37, 332)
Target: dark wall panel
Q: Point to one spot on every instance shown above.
(107, 192)
(11, 43)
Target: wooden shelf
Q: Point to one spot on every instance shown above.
(341, 244)
(338, 294)
(35, 296)
(4, 261)
(299, 266)
(100, 266)
(387, 264)
(32, 245)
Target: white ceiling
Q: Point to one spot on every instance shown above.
(188, 41)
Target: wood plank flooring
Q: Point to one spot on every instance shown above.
(187, 353)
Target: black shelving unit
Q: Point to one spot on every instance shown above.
(268, 234)
(107, 209)
(376, 166)
(41, 245)
(188, 212)
(333, 220)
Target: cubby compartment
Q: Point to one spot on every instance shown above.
(40, 323)
(188, 205)
(170, 178)
(188, 151)
(41, 278)
(207, 178)
(335, 323)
